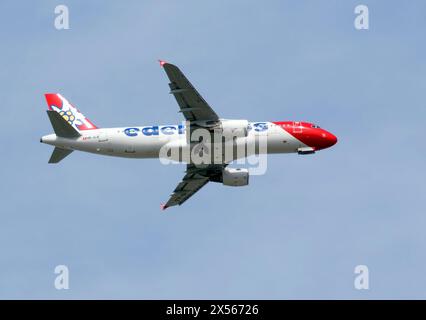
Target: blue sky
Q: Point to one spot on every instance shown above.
(296, 232)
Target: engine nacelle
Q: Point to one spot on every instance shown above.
(235, 177)
(234, 128)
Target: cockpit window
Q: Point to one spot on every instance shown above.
(314, 126)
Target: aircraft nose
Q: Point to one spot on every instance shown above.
(331, 139)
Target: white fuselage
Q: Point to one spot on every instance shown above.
(148, 141)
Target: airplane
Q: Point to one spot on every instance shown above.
(73, 131)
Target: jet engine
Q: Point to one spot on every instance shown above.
(235, 177)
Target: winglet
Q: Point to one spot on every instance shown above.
(163, 206)
(162, 62)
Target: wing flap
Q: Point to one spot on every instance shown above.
(194, 179)
(191, 103)
(185, 189)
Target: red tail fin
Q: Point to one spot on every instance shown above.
(58, 103)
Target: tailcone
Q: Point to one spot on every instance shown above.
(49, 139)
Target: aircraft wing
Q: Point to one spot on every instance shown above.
(194, 179)
(191, 103)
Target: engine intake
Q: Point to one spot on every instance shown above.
(235, 177)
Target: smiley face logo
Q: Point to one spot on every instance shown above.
(68, 116)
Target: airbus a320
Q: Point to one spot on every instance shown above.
(73, 131)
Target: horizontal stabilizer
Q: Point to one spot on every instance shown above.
(61, 126)
(58, 154)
